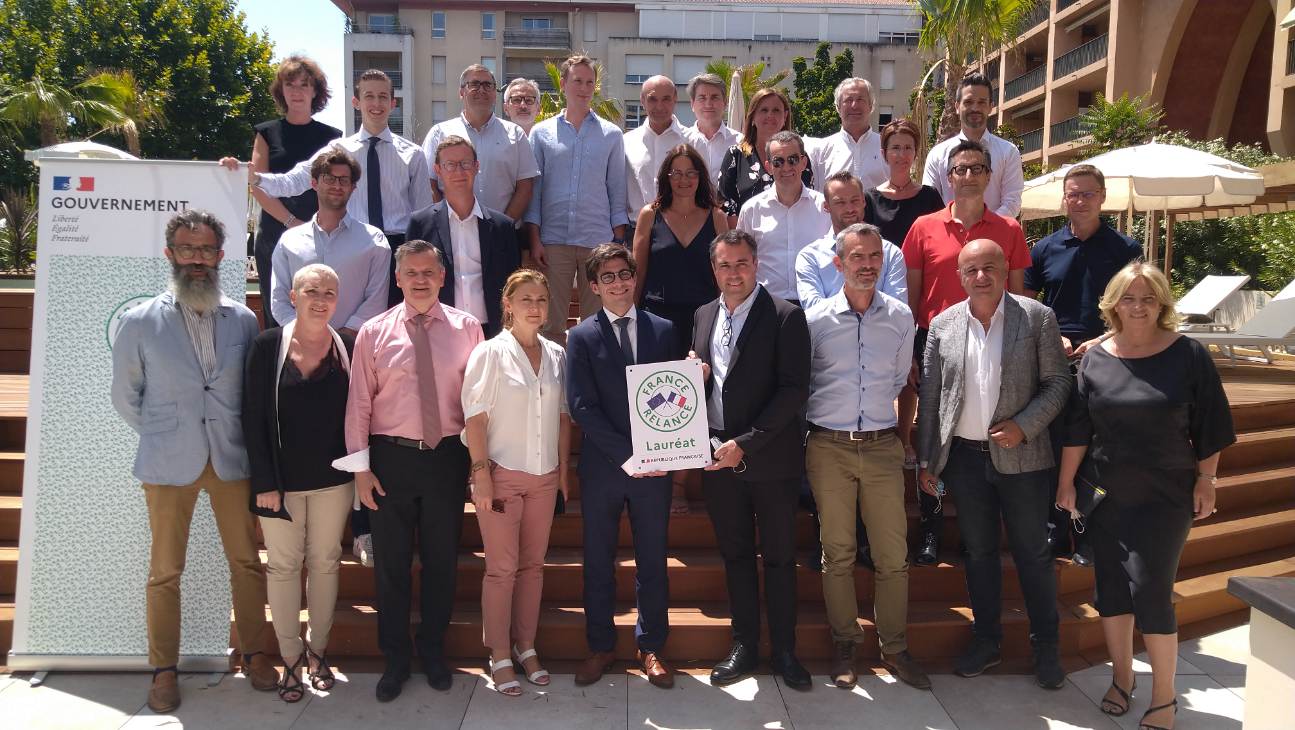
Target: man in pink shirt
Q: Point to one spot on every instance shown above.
(405, 409)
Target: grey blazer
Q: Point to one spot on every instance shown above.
(1035, 384)
(183, 419)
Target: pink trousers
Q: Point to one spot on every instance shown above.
(515, 543)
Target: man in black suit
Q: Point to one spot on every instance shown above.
(478, 244)
(598, 351)
(755, 350)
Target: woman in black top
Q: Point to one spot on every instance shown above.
(1147, 422)
(294, 410)
(742, 173)
(300, 89)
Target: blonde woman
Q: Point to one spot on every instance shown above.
(1147, 422)
(518, 431)
(742, 174)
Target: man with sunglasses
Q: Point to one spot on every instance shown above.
(599, 349)
(784, 218)
(358, 252)
(507, 168)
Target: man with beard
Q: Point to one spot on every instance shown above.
(1003, 191)
(177, 380)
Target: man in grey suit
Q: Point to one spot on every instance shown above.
(177, 380)
(993, 377)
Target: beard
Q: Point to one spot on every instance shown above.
(200, 295)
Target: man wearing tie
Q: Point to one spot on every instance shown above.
(477, 243)
(598, 351)
(405, 411)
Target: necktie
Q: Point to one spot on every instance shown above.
(623, 324)
(426, 379)
(374, 175)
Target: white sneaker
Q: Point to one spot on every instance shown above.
(362, 549)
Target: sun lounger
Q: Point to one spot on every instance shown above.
(1272, 326)
(1199, 306)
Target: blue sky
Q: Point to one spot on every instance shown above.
(312, 27)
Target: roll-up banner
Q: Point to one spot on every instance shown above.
(84, 547)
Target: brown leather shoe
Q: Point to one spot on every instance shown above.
(658, 673)
(843, 672)
(164, 694)
(907, 669)
(593, 668)
(260, 671)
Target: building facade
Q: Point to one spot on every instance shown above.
(425, 44)
(1217, 68)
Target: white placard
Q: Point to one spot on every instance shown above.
(668, 424)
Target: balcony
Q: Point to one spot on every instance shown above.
(397, 77)
(1290, 57)
(1085, 55)
(1067, 130)
(1040, 15)
(993, 95)
(381, 28)
(537, 38)
(1025, 83)
(1063, 4)
(1032, 141)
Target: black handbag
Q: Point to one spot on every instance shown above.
(1088, 495)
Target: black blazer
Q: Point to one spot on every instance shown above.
(767, 384)
(500, 255)
(597, 396)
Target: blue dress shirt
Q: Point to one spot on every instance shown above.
(859, 362)
(358, 252)
(1072, 275)
(817, 278)
(580, 197)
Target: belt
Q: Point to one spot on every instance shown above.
(852, 435)
(972, 444)
(407, 443)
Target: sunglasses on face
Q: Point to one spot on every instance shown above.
(608, 277)
(792, 159)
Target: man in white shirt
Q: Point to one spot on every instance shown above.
(710, 135)
(477, 243)
(1003, 195)
(785, 217)
(817, 276)
(856, 147)
(646, 146)
(356, 251)
(507, 168)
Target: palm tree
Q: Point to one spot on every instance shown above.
(961, 31)
(751, 76)
(1121, 123)
(552, 102)
(108, 101)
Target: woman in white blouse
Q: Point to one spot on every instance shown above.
(518, 433)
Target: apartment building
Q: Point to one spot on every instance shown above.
(1218, 68)
(425, 44)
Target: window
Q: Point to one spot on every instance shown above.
(640, 68)
(633, 115)
(686, 67)
(591, 27)
(438, 69)
(768, 27)
(683, 111)
(489, 62)
(382, 23)
(887, 75)
(885, 115)
(537, 23)
(438, 112)
(899, 38)
(438, 24)
(488, 26)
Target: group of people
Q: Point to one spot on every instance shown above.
(421, 297)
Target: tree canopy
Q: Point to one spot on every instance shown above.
(815, 105)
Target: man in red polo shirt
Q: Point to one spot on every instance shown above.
(931, 255)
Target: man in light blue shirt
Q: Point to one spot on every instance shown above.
(579, 202)
(861, 350)
(817, 277)
(358, 252)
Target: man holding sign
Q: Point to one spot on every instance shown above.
(598, 351)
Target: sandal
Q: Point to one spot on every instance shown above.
(511, 688)
(290, 687)
(1118, 709)
(539, 677)
(321, 677)
(1142, 725)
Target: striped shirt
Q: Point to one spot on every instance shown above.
(202, 333)
(406, 184)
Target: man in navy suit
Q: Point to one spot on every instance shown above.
(598, 351)
(478, 244)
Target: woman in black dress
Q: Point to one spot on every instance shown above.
(300, 89)
(672, 251)
(1147, 422)
(742, 174)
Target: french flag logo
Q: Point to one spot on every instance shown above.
(677, 399)
(83, 184)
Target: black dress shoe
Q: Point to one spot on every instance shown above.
(793, 674)
(741, 661)
(929, 552)
(390, 684)
(438, 674)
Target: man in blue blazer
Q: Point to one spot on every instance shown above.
(598, 351)
(177, 380)
(478, 245)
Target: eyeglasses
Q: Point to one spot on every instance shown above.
(1074, 196)
(452, 166)
(608, 277)
(792, 159)
(335, 180)
(683, 174)
(522, 100)
(185, 251)
(972, 169)
(479, 85)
